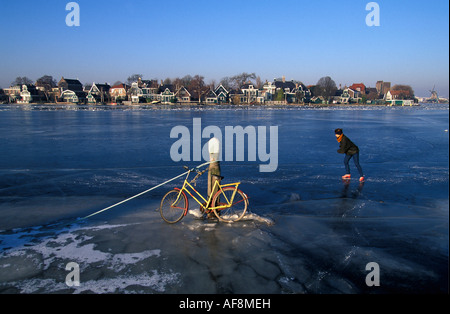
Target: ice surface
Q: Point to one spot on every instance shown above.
(306, 231)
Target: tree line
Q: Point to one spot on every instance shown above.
(325, 86)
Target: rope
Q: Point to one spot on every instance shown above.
(142, 193)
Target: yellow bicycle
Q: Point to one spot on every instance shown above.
(229, 204)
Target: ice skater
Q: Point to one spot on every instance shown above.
(347, 147)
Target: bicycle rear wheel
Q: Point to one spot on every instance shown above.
(172, 211)
(232, 212)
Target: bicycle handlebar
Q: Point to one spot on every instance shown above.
(189, 169)
(195, 169)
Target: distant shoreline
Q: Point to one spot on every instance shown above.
(178, 105)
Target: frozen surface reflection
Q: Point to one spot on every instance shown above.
(306, 230)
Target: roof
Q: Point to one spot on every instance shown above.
(72, 81)
(236, 92)
(104, 86)
(339, 92)
(398, 92)
(247, 85)
(220, 89)
(287, 84)
(125, 86)
(211, 94)
(359, 86)
(163, 88)
(183, 91)
(72, 84)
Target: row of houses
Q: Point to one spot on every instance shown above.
(150, 91)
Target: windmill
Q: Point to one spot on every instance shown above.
(434, 95)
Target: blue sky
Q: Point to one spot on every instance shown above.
(302, 40)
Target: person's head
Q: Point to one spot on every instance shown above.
(338, 132)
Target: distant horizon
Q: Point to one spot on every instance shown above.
(107, 41)
(217, 82)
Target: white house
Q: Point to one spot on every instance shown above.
(250, 93)
(25, 95)
(135, 92)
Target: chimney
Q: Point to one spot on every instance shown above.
(284, 79)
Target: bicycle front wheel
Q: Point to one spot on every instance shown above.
(171, 209)
(229, 210)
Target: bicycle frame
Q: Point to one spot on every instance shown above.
(219, 187)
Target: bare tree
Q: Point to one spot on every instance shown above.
(22, 81)
(300, 96)
(405, 91)
(47, 83)
(326, 87)
(184, 81)
(226, 82)
(259, 82)
(134, 78)
(213, 84)
(177, 82)
(197, 87)
(238, 80)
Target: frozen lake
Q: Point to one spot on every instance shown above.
(307, 231)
